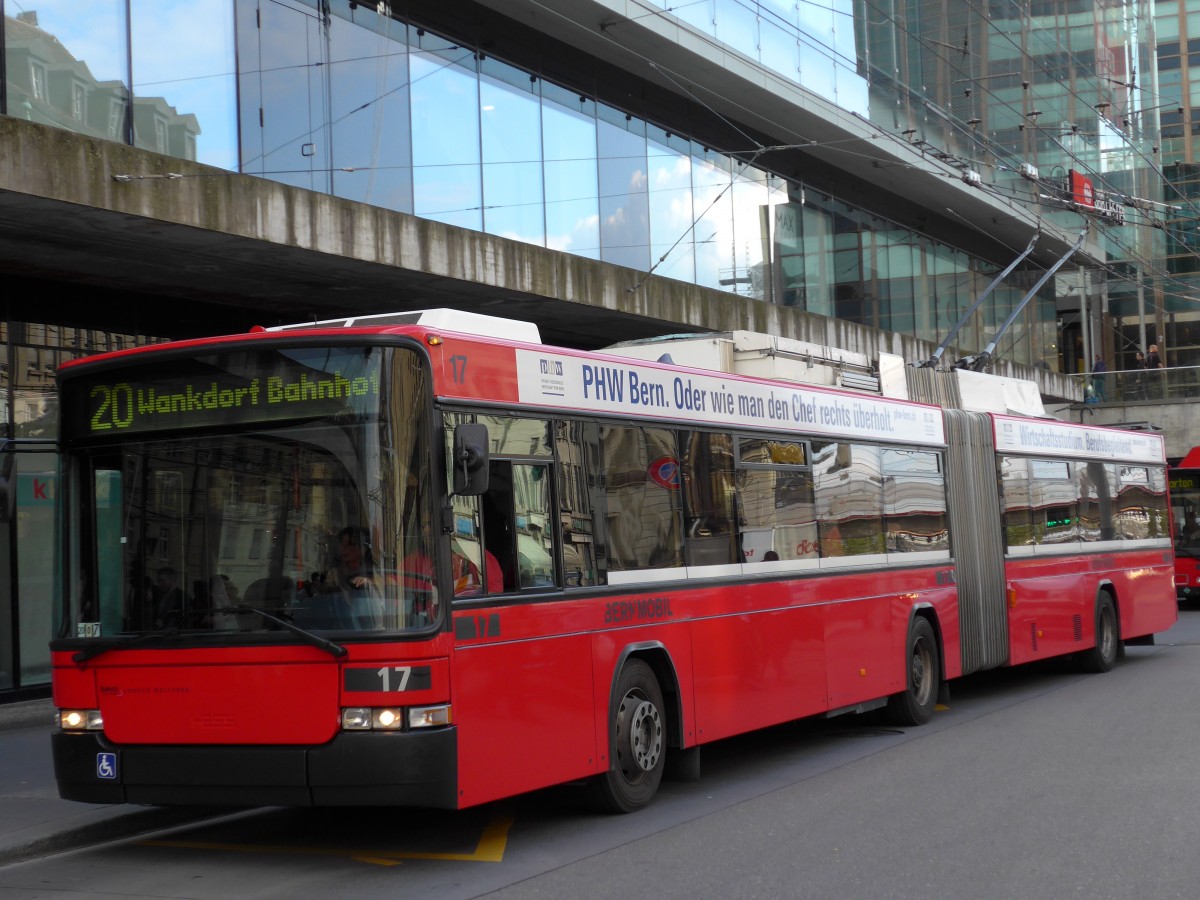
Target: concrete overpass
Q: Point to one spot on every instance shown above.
(103, 235)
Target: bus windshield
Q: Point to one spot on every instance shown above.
(314, 510)
(1185, 510)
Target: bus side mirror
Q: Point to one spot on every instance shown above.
(470, 459)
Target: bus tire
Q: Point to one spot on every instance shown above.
(1103, 656)
(638, 738)
(915, 704)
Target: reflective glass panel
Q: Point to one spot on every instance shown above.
(775, 501)
(777, 32)
(708, 483)
(37, 481)
(788, 254)
(712, 184)
(817, 293)
(1141, 503)
(816, 41)
(284, 138)
(577, 457)
(66, 65)
(852, 88)
(849, 499)
(624, 201)
(751, 218)
(475, 572)
(670, 180)
(914, 502)
(569, 147)
(513, 436)
(1095, 502)
(1015, 497)
(898, 259)
(368, 85)
(737, 26)
(1054, 497)
(700, 14)
(184, 82)
(641, 480)
(511, 131)
(854, 262)
(445, 127)
(534, 547)
(518, 539)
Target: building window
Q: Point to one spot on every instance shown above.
(37, 80)
(116, 113)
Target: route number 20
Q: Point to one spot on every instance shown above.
(115, 409)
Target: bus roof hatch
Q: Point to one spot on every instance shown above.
(448, 319)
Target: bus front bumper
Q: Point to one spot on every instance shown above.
(413, 768)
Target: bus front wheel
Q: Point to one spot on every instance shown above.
(637, 736)
(1103, 656)
(915, 704)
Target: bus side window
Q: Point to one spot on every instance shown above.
(517, 524)
(640, 477)
(497, 510)
(577, 517)
(711, 536)
(847, 488)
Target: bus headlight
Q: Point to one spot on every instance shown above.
(429, 716)
(384, 718)
(80, 720)
(356, 718)
(394, 719)
(387, 720)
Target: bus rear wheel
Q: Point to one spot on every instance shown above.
(915, 704)
(637, 736)
(1103, 656)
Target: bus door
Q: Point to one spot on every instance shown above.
(523, 674)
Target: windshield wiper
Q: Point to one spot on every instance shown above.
(335, 650)
(120, 643)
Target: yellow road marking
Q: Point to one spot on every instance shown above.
(491, 847)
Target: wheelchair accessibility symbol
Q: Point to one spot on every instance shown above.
(106, 766)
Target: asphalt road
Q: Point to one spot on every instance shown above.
(1033, 782)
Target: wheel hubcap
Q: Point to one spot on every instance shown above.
(1107, 633)
(922, 664)
(645, 734)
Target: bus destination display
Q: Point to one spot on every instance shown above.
(163, 400)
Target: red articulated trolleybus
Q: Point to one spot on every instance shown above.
(390, 561)
(1185, 506)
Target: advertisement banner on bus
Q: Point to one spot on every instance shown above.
(620, 387)
(1060, 438)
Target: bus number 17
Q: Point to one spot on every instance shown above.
(385, 675)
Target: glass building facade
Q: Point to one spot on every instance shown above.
(1176, 324)
(361, 101)
(365, 101)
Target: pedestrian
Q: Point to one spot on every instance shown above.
(1153, 364)
(1137, 389)
(1098, 378)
